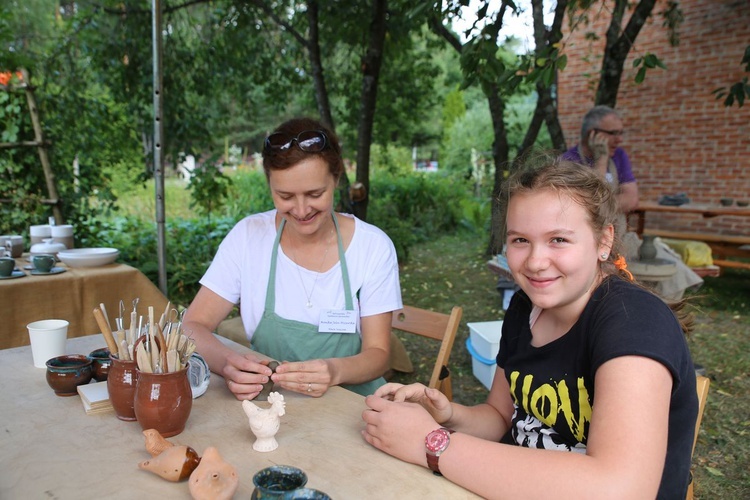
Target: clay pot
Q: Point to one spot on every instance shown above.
(121, 383)
(100, 363)
(648, 249)
(277, 482)
(66, 373)
(163, 401)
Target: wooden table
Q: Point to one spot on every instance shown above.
(722, 245)
(72, 296)
(50, 448)
(703, 209)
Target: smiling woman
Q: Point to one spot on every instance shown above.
(315, 288)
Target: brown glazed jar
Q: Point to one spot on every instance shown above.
(163, 401)
(121, 384)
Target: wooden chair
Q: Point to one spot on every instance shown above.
(701, 385)
(436, 326)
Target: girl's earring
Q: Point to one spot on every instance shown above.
(604, 256)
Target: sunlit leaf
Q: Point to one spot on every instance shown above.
(714, 472)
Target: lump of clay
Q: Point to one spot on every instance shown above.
(213, 479)
(268, 386)
(173, 464)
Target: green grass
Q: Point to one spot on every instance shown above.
(140, 201)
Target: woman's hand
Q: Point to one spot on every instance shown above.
(312, 377)
(432, 400)
(245, 374)
(398, 428)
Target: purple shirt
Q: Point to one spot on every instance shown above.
(622, 163)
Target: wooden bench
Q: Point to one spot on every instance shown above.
(722, 246)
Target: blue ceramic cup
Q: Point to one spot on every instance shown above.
(43, 262)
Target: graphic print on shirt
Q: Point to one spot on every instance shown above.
(549, 415)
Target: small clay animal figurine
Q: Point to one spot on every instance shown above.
(155, 442)
(213, 479)
(268, 386)
(264, 422)
(173, 464)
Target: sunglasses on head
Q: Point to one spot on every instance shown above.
(309, 141)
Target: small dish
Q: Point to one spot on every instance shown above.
(66, 373)
(13, 275)
(88, 257)
(54, 270)
(726, 201)
(743, 203)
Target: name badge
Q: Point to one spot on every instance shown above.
(337, 321)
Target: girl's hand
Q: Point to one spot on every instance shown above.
(432, 400)
(245, 375)
(397, 428)
(312, 377)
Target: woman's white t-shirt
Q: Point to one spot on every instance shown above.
(239, 273)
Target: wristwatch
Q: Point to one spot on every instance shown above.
(435, 443)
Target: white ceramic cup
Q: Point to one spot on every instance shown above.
(47, 340)
(63, 234)
(38, 234)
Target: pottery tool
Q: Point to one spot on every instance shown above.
(106, 331)
(164, 316)
(143, 359)
(104, 311)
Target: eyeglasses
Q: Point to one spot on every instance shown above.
(309, 141)
(616, 133)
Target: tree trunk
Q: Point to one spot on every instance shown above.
(500, 153)
(619, 43)
(321, 94)
(316, 66)
(371, 63)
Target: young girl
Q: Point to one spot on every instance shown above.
(590, 363)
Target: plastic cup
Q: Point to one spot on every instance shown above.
(47, 340)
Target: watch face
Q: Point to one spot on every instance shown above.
(437, 440)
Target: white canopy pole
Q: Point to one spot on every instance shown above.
(158, 159)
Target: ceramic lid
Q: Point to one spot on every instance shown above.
(48, 246)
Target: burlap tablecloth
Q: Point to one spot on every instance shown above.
(72, 296)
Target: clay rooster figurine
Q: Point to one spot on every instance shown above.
(264, 422)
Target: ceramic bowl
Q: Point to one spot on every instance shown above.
(66, 373)
(306, 494)
(742, 203)
(88, 257)
(100, 363)
(277, 481)
(726, 201)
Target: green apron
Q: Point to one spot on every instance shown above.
(290, 340)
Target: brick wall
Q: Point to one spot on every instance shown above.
(679, 138)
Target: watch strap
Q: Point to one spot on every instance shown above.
(434, 458)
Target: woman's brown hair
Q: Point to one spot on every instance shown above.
(274, 159)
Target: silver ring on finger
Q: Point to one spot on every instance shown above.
(309, 387)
